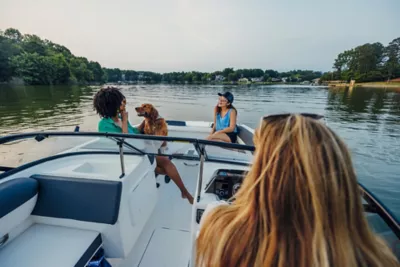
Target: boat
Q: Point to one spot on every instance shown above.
(99, 202)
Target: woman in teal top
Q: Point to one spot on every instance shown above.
(225, 115)
(110, 104)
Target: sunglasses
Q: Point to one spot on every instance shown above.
(285, 115)
(280, 116)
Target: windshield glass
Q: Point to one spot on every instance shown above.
(18, 152)
(34, 147)
(235, 155)
(143, 146)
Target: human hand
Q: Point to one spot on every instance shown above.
(124, 115)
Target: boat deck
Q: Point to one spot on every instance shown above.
(165, 240)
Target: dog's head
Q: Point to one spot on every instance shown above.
(147, 111)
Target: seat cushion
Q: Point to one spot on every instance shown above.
(45, 245)
(89, 200)
(17, 200)
(15, 193)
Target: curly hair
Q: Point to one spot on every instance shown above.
(107, 101)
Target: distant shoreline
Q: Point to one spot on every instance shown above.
(219, 83)
(391, 85)
(163, 83)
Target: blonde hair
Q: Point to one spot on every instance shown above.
(299, 205)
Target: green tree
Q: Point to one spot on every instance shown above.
(188, 77)
(80, 70)
(33, 44)
(272, 73)
(113, 75)
(392, 59)
(232, 77)
(13, 34)
(7, 50)
(363, 63)
(227, 71)
(61, 71)
(34, 68)
(97, 71)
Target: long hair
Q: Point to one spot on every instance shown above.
(218, 109)
(230, 106)
(299, 205)
(107, 101)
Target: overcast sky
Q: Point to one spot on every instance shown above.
(206, 35)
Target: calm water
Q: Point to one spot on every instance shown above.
(367, 119)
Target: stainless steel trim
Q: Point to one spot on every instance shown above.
(121, 156)
(200, 183)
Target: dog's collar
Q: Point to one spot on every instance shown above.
(158, 118)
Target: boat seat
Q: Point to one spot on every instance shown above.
(46, 245)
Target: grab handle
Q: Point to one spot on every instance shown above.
(3, 240)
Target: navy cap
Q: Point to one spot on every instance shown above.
(228, 96)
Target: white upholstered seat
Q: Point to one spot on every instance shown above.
(45, 246)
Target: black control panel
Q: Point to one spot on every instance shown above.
(225, 183)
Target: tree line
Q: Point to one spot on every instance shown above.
(38, 61)
(367, 63)
(42, 62)
(226, 75)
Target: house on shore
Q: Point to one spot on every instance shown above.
(257, 79)
(316, 81)
(243, 80)
(219, 78)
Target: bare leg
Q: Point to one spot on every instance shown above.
(170, 170)
(220, 137)
(160, 170)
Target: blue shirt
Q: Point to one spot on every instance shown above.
(224, 122)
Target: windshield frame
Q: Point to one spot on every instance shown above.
(119, 138)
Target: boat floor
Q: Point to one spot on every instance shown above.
(165, 239)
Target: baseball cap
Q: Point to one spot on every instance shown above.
(228, 96)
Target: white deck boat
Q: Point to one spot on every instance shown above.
(102, 195)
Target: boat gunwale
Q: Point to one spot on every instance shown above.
(199, 144)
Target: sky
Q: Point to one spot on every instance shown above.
(206, 35)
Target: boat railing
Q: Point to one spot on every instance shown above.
(120, 140)
(373, 204)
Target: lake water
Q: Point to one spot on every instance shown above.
(367, 119)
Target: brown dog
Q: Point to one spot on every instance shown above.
(152, 124)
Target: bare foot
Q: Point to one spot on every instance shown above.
(188, 197)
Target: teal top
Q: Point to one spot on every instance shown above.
(109, 126)
(224, 122)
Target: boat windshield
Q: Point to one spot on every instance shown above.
(20, 149)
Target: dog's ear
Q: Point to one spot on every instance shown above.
(153, 113)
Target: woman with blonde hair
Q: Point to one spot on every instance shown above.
(299, 205)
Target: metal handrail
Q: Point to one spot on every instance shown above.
(376, 206)
(373, 203)
(119, 138)
(16, 137)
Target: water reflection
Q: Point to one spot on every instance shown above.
(369, 121)
(360, 104)
(26, 107)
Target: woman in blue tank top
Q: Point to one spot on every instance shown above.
(225, 115)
